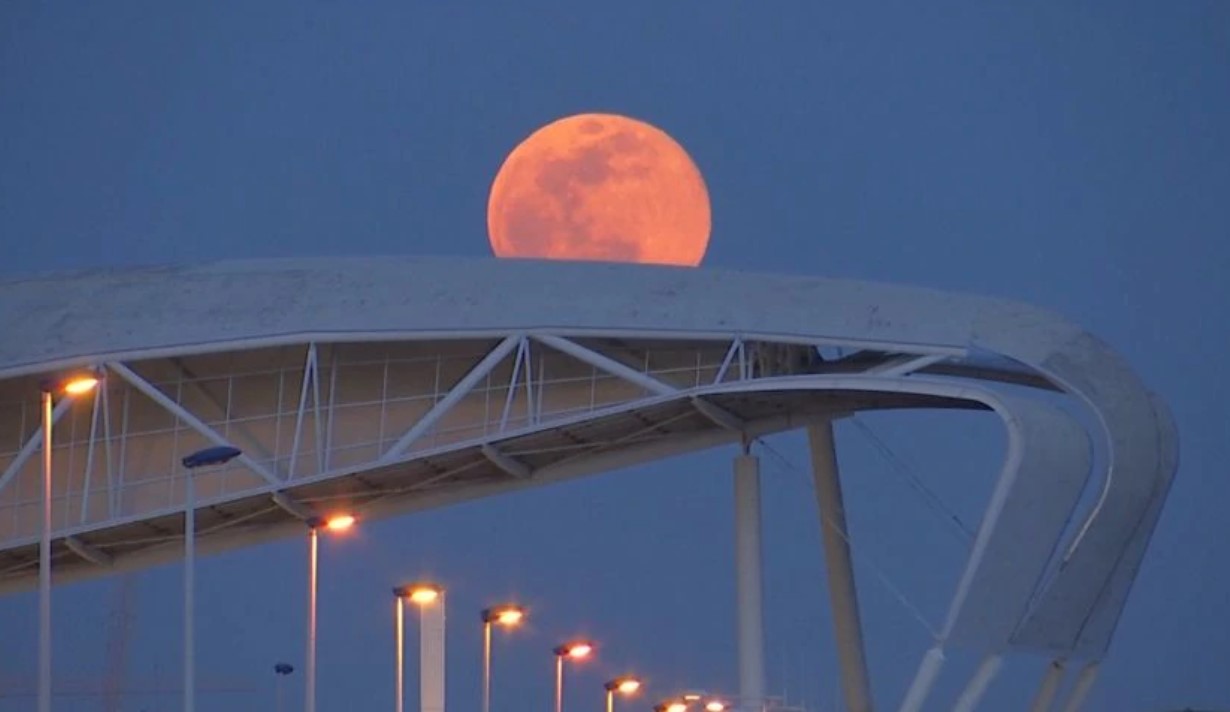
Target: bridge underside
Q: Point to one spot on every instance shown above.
(382, 427)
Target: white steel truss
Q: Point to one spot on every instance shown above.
(389, 421)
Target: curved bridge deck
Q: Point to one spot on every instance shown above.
(385, 427)
(384, 386)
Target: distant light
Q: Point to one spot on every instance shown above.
(509, 615)
(715, 706)
(424, 594)
(80, 384)
(624, 685)
(691, 697)
(340, 522)
(677, 707)
(629, 685)
(576, 650)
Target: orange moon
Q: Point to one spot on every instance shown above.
(600, 187)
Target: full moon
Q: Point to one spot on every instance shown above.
(600, 187)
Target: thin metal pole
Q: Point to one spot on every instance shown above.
(189, 594)
(1084, 683)
(400, 635)
(977, 687)
(559, 683)
(1049, 688)
(309, 675)
(610, 701)
(748, 574)
(847, 625)
(486, 666)
(928, 671)
(44, 569)
(432, 619)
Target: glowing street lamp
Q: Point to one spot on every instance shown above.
(334, 523)
(508, 616)
(423, 595)
(684, 702)
(576, 650)
(626, 685)
(339, 522)
(76, 385)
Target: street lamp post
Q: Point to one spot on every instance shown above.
(336, 523)
(208, 457)
(281, 670)
(576, 650)
(74, 386)
(626, 685)
(421, 595)
(507, 615)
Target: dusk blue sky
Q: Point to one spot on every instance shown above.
(1074, 156)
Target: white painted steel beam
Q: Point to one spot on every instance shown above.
(977, 687)
(749, 574)
(308, 385)
(736, 348)
(458, 391)
(521, 360)
(1084, 683)
(606, 363)
(928, 672)
(32, 445)
(904, 365)
(291, 506)
(843, 595)
(419, 300)
(86, 487)
(1049, 689)
(511, 465)
(189, 419)
(718, 414)
(87, 552)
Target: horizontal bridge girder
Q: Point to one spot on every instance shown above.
(605, 437)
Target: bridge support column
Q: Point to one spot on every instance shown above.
(1084, 683)
(847, 625)
(977, 687)
(748, 573)
(1045, 699)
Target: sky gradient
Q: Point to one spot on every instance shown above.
(1074, 157)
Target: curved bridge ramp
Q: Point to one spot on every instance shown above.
(388, 386)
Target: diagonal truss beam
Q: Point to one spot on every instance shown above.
(89, 553)
(291, 506)
(718, 414)
(904, 365)
(191, 380)
(736, 350)
(508, 464)
(33, 444)
(454, 396)
(606, 363)
(191, 420)
(311, 384)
